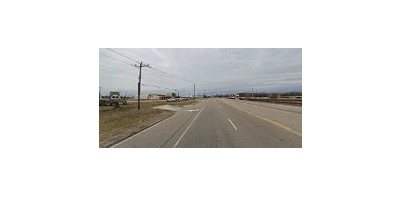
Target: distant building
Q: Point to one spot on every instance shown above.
(115, 95)
(144, 96)
(154, 97)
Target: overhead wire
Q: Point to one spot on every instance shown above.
(115, 69)
(127, 57)
(157, 77)
(122, 62)
(156, 69)
(137, 61)
(158, 87)
(119, 75)
(153, 77)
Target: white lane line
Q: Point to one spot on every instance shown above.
(177, 142)
(232, 124)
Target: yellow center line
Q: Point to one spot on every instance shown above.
(271, 121)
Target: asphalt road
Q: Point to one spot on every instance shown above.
(225, 123)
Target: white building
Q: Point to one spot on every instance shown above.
(154, 97)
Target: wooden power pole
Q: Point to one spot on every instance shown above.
(140, 81)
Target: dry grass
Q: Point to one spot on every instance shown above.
(117, 124)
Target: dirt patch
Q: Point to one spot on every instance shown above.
(118, 124)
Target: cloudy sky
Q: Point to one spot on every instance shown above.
(212, 70)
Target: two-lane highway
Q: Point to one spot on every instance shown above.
(224, 123)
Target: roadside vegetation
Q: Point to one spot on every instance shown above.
(117, 123)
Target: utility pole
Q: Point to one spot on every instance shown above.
(100, 93)
(140, 81)
(194, 90)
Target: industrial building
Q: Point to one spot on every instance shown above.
(154, 96)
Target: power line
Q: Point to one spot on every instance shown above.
(120, 76)
(147, 65)
(194, 84)
(157, 77)
(158, 87)
(137, 61)
(156, 69)
(122, 62)
(115, 69)
(112, 50)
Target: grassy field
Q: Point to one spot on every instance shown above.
(118, 123)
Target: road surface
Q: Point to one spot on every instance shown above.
(224, 123)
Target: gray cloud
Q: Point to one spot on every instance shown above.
(213, 70)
